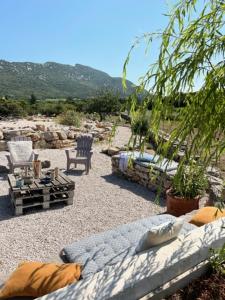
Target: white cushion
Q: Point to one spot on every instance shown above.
(21, 151)
(159, 234)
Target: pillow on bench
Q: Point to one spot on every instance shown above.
(159, 234)
(35, 279)
(206, 215)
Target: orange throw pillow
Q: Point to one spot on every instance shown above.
(36, 279)
(206, 215)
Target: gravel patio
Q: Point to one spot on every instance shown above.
(102, 201)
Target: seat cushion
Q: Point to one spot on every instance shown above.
(206, 215)
(110, 247)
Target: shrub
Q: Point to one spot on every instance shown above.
(12, 108)
(140, 122)
(70, 118)
(189, 182)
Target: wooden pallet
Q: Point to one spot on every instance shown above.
(37, 194)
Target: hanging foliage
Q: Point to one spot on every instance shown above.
(191, 55)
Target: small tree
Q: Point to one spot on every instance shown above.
(33, 99)
(105, 103)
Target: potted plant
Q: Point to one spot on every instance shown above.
(188, 185)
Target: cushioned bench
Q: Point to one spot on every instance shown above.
(113, 246)
(151, 274)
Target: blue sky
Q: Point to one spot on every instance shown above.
(97, 33)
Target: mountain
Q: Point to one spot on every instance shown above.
(54, 80)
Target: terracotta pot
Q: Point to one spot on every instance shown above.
(178, 206)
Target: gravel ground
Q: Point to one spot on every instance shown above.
(102, 201)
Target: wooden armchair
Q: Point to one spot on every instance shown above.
(83, 153)
(21, 154)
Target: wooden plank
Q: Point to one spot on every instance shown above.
(66, 178)
(61, 180)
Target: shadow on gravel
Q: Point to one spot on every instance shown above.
(135, 188)
(6, 211)
(74, 172)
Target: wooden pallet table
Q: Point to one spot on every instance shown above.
(39, 195)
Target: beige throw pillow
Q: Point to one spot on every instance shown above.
(159, 234)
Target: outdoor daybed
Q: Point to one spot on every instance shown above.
(112, 269)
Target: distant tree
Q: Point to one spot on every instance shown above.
(69, 99)
(33, 99)
(106, 102)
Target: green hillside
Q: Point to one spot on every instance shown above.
(54, 80)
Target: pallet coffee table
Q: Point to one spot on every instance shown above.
(40, 195)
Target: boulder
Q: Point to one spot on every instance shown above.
(57, 144)
(50, 136)
(40, 127)
(41, 144)
(3, 146)
(34, 136)
(62, 135)
(111, 151)
(8, 134)
(71, 135)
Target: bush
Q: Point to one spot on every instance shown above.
(70, 118)
(189, 182)
(140, 122)
(12, 108)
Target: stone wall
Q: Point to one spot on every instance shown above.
(151, 178)
(163, 138)
(55, 137)
(156, 180)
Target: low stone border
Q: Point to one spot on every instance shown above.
(151, 178)
(158, 181)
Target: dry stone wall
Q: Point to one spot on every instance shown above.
(151, 178)
(55, 137)
(158, 181)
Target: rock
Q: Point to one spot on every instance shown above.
(50, 136)
(88, 125)
(3, 146)
(62, 135)
(40, 127)
(71, 135)
(56, 144)
(8, 134)
(1, 135)
(111, 151)
(46, 164)
(41, 144)
(73, 128)
(34, 136)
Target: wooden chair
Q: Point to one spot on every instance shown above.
(83, 153)
(21, 154)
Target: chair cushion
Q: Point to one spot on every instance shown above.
(36, 279)
(110, 247)
(21, 151)
(159, 234)
(206, 215)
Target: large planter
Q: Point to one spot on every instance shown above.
(178, 206)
